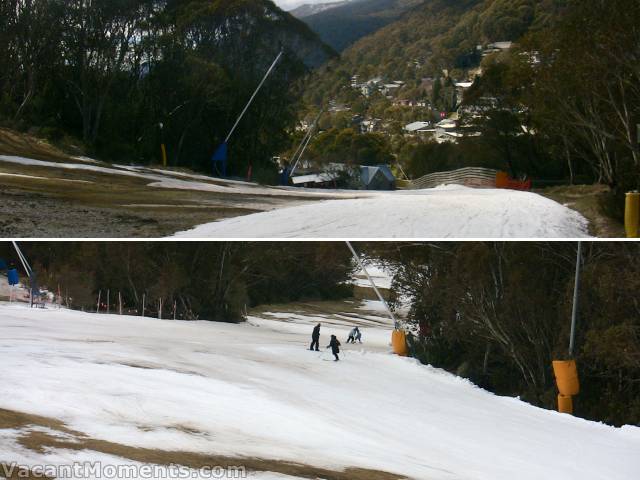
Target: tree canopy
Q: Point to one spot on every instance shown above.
(110, 72)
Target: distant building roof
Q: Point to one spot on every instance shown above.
(367, 174)
(501, 45)
(314, 178)
(412, 127)
(446, 123)
(464, 84)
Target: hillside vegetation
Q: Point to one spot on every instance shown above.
(432, 36)
(125, 76)
(498, 313)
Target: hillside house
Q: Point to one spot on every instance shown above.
(415, 127)
(497, 47)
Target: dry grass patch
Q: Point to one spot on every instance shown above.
(25, 145)
(39, 441)
(587, 200)
(14, 472)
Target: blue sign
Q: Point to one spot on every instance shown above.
(13, 277)
(220, 157)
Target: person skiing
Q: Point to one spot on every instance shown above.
(352, 335)
(335, 347)
(358, 336)
(315, 338)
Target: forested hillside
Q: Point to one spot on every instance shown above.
(211, 281)
(435, 35)
(498, 313)
(342, 25)
(110, 73)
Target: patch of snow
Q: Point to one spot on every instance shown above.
(378, 274)
(87, 160)
(42, 178)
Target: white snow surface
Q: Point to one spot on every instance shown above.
(378, 274)
(18, 175)
(445, 212)
(254, 389)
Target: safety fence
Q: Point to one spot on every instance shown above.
(476, 177)
(468, 176)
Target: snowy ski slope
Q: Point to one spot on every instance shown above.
(449, 211)
(254, 390)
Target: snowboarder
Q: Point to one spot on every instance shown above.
(315, 338)
(352, 335)
(335, 347)
(358, 336)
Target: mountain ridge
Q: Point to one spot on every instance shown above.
(342, 25)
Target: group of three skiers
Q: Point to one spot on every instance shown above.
(334, 344)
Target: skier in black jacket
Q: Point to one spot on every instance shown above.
(335, 347)
(315, 338)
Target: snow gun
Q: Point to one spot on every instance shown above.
(398, 336)
(566, 371)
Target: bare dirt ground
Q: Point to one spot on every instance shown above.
(30, 212)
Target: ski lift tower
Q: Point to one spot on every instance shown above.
(219, 158)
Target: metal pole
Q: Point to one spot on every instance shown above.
(305, 141)
(295, 155)
(27, 268)
(301, 153)
(23, 259)
(396, 325)
(576, 290)
(253, 96)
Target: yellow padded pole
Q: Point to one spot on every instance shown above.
(566, 374)
(164, 155)
(632, 214)
(565, 404)
(399, 343)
